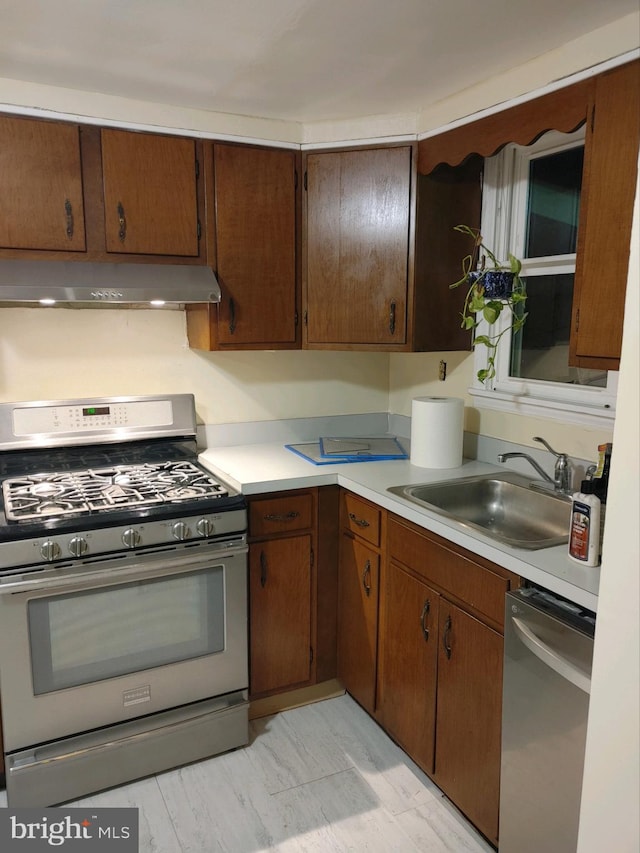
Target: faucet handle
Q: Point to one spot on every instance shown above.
(562, 473)
(548, 446)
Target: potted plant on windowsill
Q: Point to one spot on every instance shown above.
(491, 288)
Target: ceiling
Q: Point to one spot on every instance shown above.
(296, 60)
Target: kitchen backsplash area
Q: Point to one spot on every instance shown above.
(61, 353)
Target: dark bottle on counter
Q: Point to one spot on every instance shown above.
(601, 477)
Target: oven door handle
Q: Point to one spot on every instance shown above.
(136, 570)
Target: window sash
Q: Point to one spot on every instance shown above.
(504, 226)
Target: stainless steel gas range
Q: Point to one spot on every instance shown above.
(123, 596)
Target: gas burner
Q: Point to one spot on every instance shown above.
(116, 487)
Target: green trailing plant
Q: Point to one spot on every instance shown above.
(482, 272)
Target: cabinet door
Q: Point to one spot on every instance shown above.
(408, 663)
(468, 726)
(41, 203)
(255, 197)
(280, 613)
(150, 194)
(358, 575)
(608, 191)
(357, 246)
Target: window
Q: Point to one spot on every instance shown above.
(531, 205)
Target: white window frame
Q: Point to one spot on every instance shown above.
(504, 205)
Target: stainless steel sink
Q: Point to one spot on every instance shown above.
(507, 507)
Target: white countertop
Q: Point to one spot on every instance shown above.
(260, 468)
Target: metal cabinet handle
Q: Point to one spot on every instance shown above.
(68, 209)
(232, 316)
(263, 569)
(445, 638)
(423, 616)
(361, 522)
(392, 318)
(366, 578)
(288, 516)
(122, 222)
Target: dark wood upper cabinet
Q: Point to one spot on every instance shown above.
(255, 196)
(41, 188)
(606, 211)
(357, 248)
(447, 197)
(71, 192)
(150, 194)
(254, 228)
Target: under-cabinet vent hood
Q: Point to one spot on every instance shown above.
(54, 282)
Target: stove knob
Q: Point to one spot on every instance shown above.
(50, 550)
(131, 538)
(78, 546)
(180, 530)
(205, 527)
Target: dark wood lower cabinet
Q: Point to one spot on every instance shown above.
(468, 727)
(439, 676)
(358, 619)
(280, 597)
(293, 580)
(408, 664)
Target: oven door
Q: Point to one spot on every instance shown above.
(87, 650)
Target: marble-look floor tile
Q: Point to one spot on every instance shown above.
(439, 827)
(156, 832)
(397, 781)
(339, 813)
(220, 805)
(295, 747)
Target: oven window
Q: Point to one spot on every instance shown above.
(88, 636)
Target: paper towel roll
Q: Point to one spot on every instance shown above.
(437, 432)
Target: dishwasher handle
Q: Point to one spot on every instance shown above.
(551, 658)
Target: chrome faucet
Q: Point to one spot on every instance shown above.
(561, 480)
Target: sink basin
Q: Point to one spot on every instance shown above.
(506, 507)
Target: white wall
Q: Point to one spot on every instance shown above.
(55, 353)
(609, 817)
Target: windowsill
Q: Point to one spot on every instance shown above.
(556, 410)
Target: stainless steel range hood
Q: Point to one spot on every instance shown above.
(52, 282)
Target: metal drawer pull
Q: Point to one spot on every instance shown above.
(445, 638)
(263, 569)
(392, 318)
(287, 516)
(122, 221)
(425, 611)
(232, 316)
(361, 522)
(366, 578)
(68, 209)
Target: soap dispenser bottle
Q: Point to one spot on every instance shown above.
(584, 530)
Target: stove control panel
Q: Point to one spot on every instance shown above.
(52, 420)
(55, 548)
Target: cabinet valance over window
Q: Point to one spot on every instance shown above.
(564, 110)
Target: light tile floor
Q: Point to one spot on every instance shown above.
(319, 778)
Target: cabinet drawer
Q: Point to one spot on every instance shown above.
(281, 514)
(468, 581)
(361, 518)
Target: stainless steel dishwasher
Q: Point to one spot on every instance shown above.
(548, 648)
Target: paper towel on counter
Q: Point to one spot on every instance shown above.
(437, 427)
